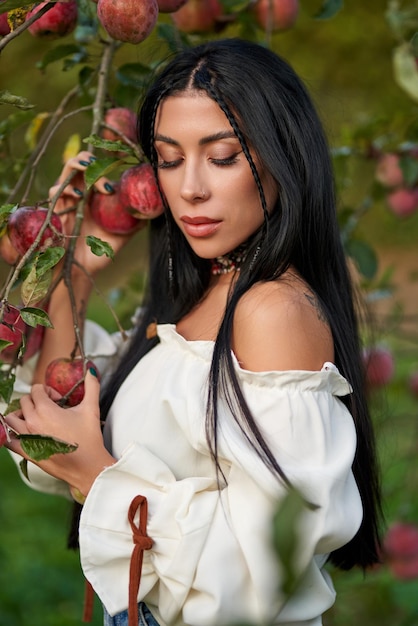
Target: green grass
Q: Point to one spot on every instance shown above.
(41, 583)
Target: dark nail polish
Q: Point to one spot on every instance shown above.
(77, 191)
(93, 371)
(92, 158)
(109, 187)
(85, 163)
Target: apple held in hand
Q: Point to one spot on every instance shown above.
(130, 21)
(12, 328)
(24, 225)
(111, 213)
(59, 21)
(139, 192)
(66, 376)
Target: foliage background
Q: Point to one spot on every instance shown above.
(347, 64)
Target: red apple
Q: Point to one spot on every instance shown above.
(139, 192)
(197, 16)
(121, 119)
(66, 376)
(24, 225)
(380, 366)
(130, 21)
(111, 214)
(3, 435)
(4, 24)
(388, 171)
(277, 14)
(12, 329)
(59, 21)
(400, 547)
(170, 6)
(403, 201)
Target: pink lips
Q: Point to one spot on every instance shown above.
(199, 226)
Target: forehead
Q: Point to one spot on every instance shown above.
(190, 112)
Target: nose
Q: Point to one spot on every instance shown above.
(193, 186)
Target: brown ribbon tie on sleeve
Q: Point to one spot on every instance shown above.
(141, 542)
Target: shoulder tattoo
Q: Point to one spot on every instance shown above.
(313, 301)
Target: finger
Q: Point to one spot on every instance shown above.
(90, 401)
(80, 162)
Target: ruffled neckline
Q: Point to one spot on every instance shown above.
(327, 378)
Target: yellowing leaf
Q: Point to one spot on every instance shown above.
(72, 147)
(16, 17)
(34, 127)
(35, 288)
(406, 70)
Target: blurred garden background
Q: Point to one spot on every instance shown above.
(358, 60)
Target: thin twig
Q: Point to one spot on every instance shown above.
(16, 32)
(41, 153)
(29, 165)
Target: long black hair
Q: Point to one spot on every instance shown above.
(270, 111)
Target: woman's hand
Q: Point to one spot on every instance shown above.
(76, 425)
(65, 207)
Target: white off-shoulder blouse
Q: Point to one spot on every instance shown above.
(211, 561)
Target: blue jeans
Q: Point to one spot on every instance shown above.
(145, 617)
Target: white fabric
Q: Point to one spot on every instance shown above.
(212, 561)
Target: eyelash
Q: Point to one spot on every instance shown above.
(218, 162)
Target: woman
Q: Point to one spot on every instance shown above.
(252, 381)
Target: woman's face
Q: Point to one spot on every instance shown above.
(206, 177)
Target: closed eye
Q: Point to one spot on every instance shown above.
(162, 165)
(227, 161)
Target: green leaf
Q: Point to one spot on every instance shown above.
(364, 256)
(48, 259)
(41, 447)
(101, 167)
(286, 538)
(58, 53)
(134, 74)
(9, 5)
(4, 343)
(34, 316)
(328, 9)
(18, 101)
(7, 381)
(106, 144)
(99, 247)
(409, 167)
(14, 121)
(34, 288)
(405, 70)
(14, 405)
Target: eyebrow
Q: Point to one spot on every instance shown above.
(224, 134)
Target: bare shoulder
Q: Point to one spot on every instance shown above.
(279, 325)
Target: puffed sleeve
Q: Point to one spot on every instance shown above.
(103, 348)
(212, 560)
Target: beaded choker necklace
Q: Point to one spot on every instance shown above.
(229, 262)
